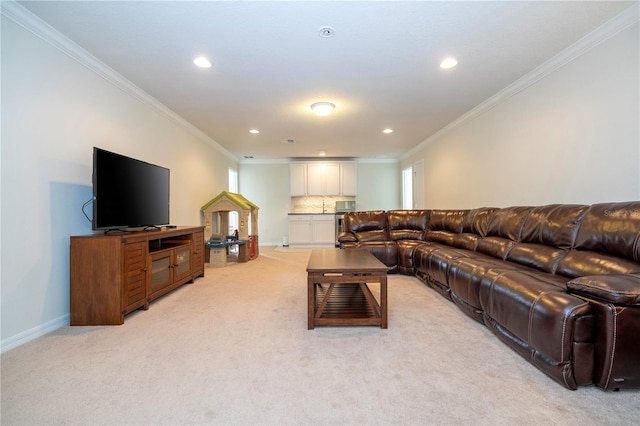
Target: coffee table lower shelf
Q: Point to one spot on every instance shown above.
(346, 304)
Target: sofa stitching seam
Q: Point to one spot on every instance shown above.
(613, 346)
(564, 326)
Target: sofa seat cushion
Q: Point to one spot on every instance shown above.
(466, 241)
(405, 255)
(385, 251)
(465, 276)
(433, 259)
(497, 247)
(537, 256)
(441, 237)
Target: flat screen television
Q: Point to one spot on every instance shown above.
(128, 193)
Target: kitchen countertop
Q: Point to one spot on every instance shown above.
(319, 213)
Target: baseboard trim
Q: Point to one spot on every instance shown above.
(33, 333)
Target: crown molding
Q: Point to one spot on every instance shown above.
(615, 25)
(308, 160)
(244, 161)
(378, 160)
(30, 22)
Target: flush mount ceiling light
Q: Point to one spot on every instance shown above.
(202, 62)
(322, 108)
(448, 63)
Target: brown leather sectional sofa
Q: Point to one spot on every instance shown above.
(560, 284)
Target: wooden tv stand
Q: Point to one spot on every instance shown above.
(115, 274)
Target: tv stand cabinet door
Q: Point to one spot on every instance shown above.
(135, 277)
(197, 261)
(160, 275)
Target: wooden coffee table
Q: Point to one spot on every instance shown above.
(337, 288)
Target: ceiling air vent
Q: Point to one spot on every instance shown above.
(287, 141)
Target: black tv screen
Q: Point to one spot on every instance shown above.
(128, 193)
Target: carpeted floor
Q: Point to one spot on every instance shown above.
(233, 348)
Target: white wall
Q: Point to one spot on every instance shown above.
(267, 186)
(571, 137)
(379, 186)
(54, 110)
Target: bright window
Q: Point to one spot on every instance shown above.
(407, 188)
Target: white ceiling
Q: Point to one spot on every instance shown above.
(381, 68)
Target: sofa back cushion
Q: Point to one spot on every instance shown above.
(445, 225)
(612, 228)
(507, 223)
(447, 220)
(607, 242)
(407, 224)
(503, 231)
(553, 225)
(367, 226)
(477, 221)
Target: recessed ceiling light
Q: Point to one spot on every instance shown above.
(254, 131)
(448, 63)
(322, 153)
(202, 62)
(387, 131)
(323, 108)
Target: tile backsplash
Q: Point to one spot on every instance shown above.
(314, 204)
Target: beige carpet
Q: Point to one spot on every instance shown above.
(233, 348)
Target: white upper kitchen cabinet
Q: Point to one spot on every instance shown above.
(298, 179)
(323, 178)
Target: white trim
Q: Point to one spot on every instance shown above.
(47, 33)
(264, 161)
(329, 160)
(33, 333)
(628, 17)
(377, 160)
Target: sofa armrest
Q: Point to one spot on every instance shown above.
(617, 289)
(347, 237)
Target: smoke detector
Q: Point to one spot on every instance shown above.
(327, 32)
(287, 141)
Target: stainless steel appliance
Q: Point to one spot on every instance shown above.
(341, 208)
(345, 206)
